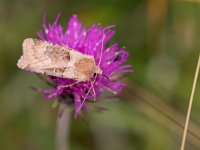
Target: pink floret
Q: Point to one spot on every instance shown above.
(92, 41)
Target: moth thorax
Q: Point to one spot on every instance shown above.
(87, 67)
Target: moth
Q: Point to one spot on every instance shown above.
(56, 60)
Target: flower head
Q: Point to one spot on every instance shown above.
(93, 42)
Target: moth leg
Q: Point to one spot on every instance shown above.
(95, 75)
(92, 86)
(65, 86)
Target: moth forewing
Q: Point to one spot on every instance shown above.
(55, 60)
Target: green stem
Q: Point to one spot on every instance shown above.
(62, 128)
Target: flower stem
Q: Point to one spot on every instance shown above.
(62, 128)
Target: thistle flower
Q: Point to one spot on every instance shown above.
(93, 42)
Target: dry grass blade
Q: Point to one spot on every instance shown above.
(161, 112)
(190, 105)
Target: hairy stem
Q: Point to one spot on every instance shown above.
(62, 128)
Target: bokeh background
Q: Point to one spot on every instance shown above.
(163, 40)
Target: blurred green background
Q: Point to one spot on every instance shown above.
(163, 40)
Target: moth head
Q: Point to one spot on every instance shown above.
(86, 67)
(98, 70)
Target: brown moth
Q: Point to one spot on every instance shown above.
(55, 60)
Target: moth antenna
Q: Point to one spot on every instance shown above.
(101, 52)
(92, 82)
(105, 76)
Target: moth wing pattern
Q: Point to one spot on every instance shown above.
(43, 57)
(56, 60)
(33, 58)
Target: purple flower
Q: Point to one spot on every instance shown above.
(92, 41)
